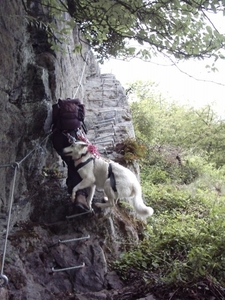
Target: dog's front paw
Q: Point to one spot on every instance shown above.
(73, 196)
(106, 199)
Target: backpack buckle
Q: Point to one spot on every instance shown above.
(71, 139)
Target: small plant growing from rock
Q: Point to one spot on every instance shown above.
(51, 173)
(130, 150)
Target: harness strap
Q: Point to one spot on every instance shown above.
(112, 178)
(82, 155)
(79, 166)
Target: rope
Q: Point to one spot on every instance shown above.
(82, 74)
(9, 217)
(15, 165)
(3, 278)
(22, 160)
(35, 148)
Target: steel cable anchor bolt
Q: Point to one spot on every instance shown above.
(3, 280)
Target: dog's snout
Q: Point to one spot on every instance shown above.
(66, 151)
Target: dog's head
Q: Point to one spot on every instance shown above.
(76, 149)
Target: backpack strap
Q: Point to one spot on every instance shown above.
(112, 178)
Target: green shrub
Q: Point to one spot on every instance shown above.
(160, 168)
(184, 240)
(131, 150)
(180, 247)
(171, 198)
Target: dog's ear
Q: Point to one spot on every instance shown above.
(81, 144)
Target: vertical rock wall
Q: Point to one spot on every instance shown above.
(32, 78)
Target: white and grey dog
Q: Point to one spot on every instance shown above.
(116, 181)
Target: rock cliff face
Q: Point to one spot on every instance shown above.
(32, 78)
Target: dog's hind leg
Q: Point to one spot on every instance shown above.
(90, 196)
(104, 205)
(109, 193)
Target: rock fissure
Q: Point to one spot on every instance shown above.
(33, 77)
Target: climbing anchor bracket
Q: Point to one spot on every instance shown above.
(67, 269)
(3, 280)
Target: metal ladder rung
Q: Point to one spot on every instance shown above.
(74, 240)
(104, 129)
(77, 215)
(106, 142)
(68, 268)
(69, 241)
(104, 137)
(103, 122)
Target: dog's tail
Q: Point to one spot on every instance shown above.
(141, 209)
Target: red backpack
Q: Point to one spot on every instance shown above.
(68, 114)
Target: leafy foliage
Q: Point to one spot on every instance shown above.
(130, 151)
(182, 248)
(161, 122)
(183, 244)
(112, 28)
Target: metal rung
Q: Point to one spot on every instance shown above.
(77, 215)
(69, 268)
(75, 239)
(109, 121)
(103, 137)
(105, 141)
(104, 129)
